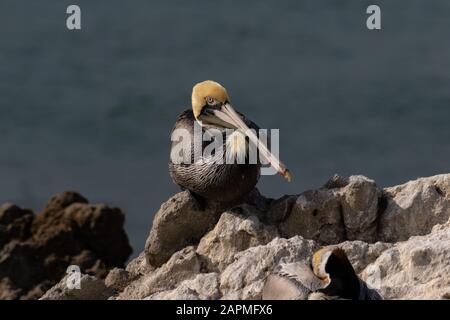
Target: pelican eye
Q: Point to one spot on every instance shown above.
(210, 101)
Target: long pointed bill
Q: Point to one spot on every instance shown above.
(227, 117)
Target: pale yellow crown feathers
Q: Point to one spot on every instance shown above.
(321, 257)
(205, 89)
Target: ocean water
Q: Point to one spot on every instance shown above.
(92, 110)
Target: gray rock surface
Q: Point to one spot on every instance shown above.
(233, 233)
(418, 268)
(178, 223)
(344, 209)
(397, 239)
(118, 279)
(183, 265)
(415, 207)
(204, 286)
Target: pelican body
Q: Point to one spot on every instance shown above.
(208, 178)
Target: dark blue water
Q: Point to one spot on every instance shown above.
(92, 110)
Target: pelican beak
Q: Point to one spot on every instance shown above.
(225, 116)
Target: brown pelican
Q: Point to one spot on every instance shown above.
(208, 179)
(331, 277)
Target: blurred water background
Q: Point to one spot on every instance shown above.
(92, 110)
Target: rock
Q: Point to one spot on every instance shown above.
(96, 227)
(15, 223)
(414, 269)
(10, 212)
(205, 286)
(8, 290)
(345, 209)
(397, 240)
(242, 247)
(415, 207)
(182, 292)
(184, 264)
(118, 279)
(61, 201)
(316, 215)
(336, 181)
(359, 202)
(362, 254)
(279, 209)
(177, 224)
(37, 250)
(233, 233)
(139, 266)
(91, 288)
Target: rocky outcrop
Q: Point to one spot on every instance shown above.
(35, 250)
(397, 239)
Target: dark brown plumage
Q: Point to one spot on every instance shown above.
(217, 182)
(227, 181)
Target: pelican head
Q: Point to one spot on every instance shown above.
(205, 94)
(211, 107)
(331, 265)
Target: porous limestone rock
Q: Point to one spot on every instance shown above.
(204, 286)
(178, 223)
(344, 209)
(415, 269)
(183, 265)
(118, 279)
(233, 233)
(415, 207)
